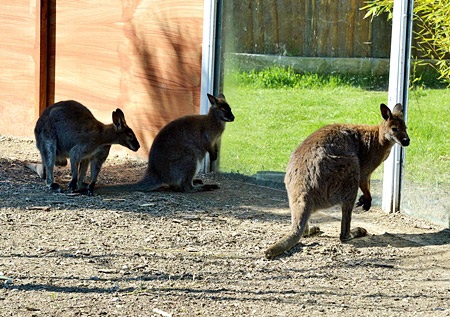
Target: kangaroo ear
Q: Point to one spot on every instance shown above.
(221, 96)
(212, 99)
(120, 113)
(398, 110)
(118, 119)
(385, 112)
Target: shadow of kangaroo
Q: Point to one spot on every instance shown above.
(327, 168)
(178, 150)
(68, 129)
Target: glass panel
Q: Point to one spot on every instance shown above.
(426, 188)
(290, 67)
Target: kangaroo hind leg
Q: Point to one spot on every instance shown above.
(96, 165)
(48, 155)
(347, 233)
(188, 182)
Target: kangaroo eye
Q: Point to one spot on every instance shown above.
(394, 130)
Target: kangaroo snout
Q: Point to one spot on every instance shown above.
(230, 118)
(405, 141)
(134, 146)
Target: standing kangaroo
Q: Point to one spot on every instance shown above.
(68, 129)
(327, 168)
(178, 150)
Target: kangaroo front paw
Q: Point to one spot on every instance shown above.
(366, 203)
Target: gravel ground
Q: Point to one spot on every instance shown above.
(174, 254)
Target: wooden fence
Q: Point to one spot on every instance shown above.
(310, 28)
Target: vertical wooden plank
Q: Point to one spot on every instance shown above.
(250, 43)
(346, 28)
(334, 27)
(309, 28)
(322, 28)
(299, 20)
(228, 33)
(51, 52)
(263, 21)
(287, 27)
(238, 26)
(381, 37)
(258, 25)
(326, 28)
(272, 41)
(342, 28)
(361, 29)
(42, 10)
(267, 27)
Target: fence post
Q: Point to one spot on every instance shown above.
(398, 93)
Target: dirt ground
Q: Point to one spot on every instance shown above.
(163, 254)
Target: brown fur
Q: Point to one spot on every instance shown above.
(67, 129)
(330, 165)
(178, 150)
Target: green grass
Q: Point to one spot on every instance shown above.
(428, 156)
(271, 122)
(278, 77)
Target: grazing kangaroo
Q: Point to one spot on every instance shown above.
(330, 164)
(68, 129)
(178, 150)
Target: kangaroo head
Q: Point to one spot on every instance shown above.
(221, 108)
(393, 126)
(125, 136)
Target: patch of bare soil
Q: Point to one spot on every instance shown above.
(162, 253)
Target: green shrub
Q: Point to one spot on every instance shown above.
(432, 30)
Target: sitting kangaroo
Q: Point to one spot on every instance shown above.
(178, 150)
(68, 129)
(330, 164)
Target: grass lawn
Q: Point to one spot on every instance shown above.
(271, 122)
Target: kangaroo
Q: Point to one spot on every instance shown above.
(68, 129)
(178, 150)
(330, 164)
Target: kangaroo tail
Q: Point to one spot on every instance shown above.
(299, 215)
(287, 242)
(146, 184)
(37, 168)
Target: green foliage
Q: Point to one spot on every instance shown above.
(432, 30)
(378, 7)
